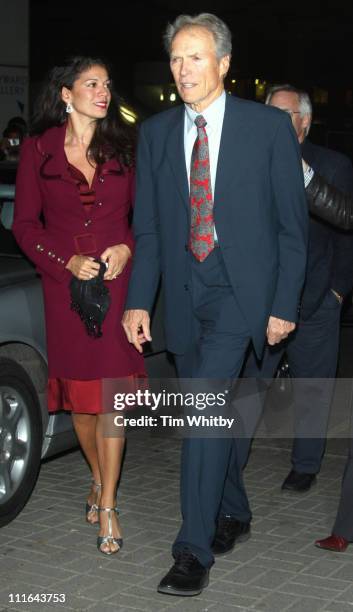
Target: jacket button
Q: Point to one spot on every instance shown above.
(88, 222)
(186, 247)
(186, 287)
(101, 179)
(100, 203)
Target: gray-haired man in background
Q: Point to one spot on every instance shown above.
(312, 350)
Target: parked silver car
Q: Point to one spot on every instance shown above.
(27, 432)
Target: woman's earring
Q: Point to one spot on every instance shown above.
(69, 108)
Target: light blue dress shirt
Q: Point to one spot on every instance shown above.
(213, 115)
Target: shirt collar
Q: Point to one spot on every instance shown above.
(213, 114)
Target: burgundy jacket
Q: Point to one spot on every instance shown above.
(46, 190)
(51, 224)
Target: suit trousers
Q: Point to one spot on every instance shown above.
(312, 352)
(344, 520)
(210, 470)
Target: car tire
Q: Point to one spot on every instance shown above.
(21, 436)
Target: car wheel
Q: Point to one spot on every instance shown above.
(20, 439)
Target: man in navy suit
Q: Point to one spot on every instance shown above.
(221, 215)
(312, 350)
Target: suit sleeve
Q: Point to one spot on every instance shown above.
(128, 240)
(146, 268)
(293, 221)
(28, 227)
(342, 268)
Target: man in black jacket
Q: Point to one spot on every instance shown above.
(313, 349)
(335, 207)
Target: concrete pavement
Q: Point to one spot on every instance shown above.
(50, 548)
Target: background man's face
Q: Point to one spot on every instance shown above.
(289, 101)
(197, 72)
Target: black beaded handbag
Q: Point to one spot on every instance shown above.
(91, 300)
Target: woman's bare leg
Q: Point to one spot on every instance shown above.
(110, 447)
(85, 427)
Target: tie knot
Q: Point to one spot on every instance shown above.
(200, 121)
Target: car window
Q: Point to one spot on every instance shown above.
(8, 245)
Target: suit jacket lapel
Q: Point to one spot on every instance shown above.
(230, 152)
(230, 149)
(308, 152)
(176, 156)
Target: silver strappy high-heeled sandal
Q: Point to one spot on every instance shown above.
(93, 507)
(109, 538)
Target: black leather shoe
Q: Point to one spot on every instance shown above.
(298, 482)
(186, 578)
(229, 532)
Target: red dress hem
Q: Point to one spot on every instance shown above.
(85, 396)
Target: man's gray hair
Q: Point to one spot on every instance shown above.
(305, 106)
(221, 33)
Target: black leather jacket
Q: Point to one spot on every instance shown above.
(329, 203)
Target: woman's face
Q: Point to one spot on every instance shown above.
(90, 94)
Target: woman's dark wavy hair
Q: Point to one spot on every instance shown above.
(112, 138)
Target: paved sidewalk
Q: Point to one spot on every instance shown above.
(50, 549)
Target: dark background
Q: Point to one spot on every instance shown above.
(266, 34)
(309, 44)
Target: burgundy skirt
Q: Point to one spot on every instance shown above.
(87, 396)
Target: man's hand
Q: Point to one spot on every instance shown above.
(136, 324)
(278, 330)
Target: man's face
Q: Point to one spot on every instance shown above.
(289, 101)
(197, 72)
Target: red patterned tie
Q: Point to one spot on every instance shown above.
(202, 224)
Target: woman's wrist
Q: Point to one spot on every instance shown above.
(126, 248)
(70, 262)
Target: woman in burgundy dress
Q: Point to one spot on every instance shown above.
(73, 199)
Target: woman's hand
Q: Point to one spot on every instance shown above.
(83, 267)
(116, 257)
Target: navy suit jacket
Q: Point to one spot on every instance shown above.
(260, 216)
(330, 251)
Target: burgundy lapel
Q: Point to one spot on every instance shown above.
(50, 145)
